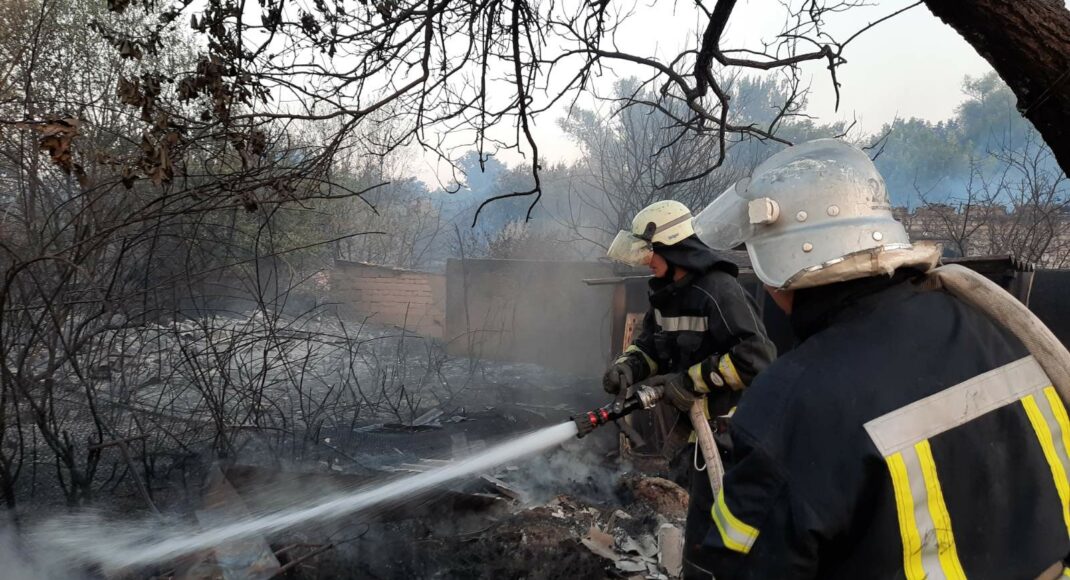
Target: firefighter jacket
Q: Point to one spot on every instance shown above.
(702, 324)
(907, 436)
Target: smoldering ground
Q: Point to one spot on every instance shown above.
(148, 542)
(22, 559)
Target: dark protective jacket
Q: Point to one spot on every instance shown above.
(907, 436)
(704, 322)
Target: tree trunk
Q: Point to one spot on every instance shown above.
(1028, 43)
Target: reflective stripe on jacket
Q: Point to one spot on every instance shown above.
(704, 323)
(906, 437)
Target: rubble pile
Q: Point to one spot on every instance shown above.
(563, 538)
(490, 531)
(567, 537)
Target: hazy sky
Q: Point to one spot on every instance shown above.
(911, 66)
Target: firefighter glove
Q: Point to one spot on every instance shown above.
(676, 389)
(620, 376)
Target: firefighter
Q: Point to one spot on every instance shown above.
(701, 336)
(906, 435)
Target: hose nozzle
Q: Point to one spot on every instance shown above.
(644, 397)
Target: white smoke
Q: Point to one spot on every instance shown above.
(116, 546)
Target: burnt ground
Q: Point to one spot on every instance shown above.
(498, 539)
(536, 519)
(533, 524)
(534, 527)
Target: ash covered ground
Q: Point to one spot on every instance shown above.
(286, 408)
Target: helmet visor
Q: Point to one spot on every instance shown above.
(725, 223)
(627, 248)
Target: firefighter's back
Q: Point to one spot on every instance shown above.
(920, 440)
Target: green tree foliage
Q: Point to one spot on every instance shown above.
(989, 117)
(922, 159)
(931, 162)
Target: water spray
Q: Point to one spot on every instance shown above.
(118, 547)
(644, 397)
(131, 545)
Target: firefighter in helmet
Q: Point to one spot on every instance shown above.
(906, 435)
(701, 336)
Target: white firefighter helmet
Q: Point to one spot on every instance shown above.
(813, 214)
(664, 222)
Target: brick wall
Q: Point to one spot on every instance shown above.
(413, 300)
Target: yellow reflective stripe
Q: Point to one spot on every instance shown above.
(929, 551)
(1047, 444)
(945, 538)
(1059, 412)
(727, 540)
(735, 535)
(728, 372)
(695, 372)
(1066, 573)
(908, 528)
(653, 366)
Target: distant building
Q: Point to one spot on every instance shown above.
(1038, 235)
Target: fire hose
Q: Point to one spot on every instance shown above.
(645, 397)
(992, 300)
(961, 282)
